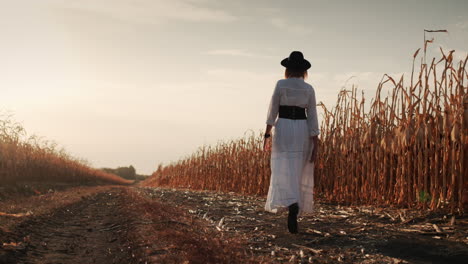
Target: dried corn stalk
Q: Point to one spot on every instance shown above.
(409, 149)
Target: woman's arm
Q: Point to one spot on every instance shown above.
(312, 122)
(273, 109)
(271, 117)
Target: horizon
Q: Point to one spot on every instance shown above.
(148, 82)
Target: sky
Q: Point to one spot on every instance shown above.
(144, 82)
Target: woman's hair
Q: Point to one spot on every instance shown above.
(288, 73)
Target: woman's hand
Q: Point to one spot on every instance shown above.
(315, 145)
(267, 144)
(313, 157)
(267, 139)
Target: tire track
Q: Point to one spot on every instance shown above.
(92, 230)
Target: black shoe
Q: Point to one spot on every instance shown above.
(292, 218)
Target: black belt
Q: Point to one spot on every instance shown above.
(292, 112)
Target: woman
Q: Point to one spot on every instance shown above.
(293, 113)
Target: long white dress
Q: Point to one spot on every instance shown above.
(292, 175)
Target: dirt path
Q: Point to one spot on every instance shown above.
(333, 234)
(152, 225)
(114, 225)
(88, 231)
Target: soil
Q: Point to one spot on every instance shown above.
(333, 234)
(117, 224)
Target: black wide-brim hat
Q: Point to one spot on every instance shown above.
(296, 61)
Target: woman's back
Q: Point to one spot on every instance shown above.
(294, 92)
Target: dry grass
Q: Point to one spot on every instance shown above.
(239, 165)
(24, 159)
(409, 149)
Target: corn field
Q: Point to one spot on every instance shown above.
(238, 166)
(34, 160)
(408, 149)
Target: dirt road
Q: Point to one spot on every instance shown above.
(109, 225)
(333, 234)
(146, 225)
(89, 231)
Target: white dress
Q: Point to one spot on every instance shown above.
(292, 175)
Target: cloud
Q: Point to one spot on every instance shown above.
(150, 11)
(328, 84)
(458, 55)
(285, 25)
(462, 24)
(224, 72)
(231, 52)
(235, 52)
